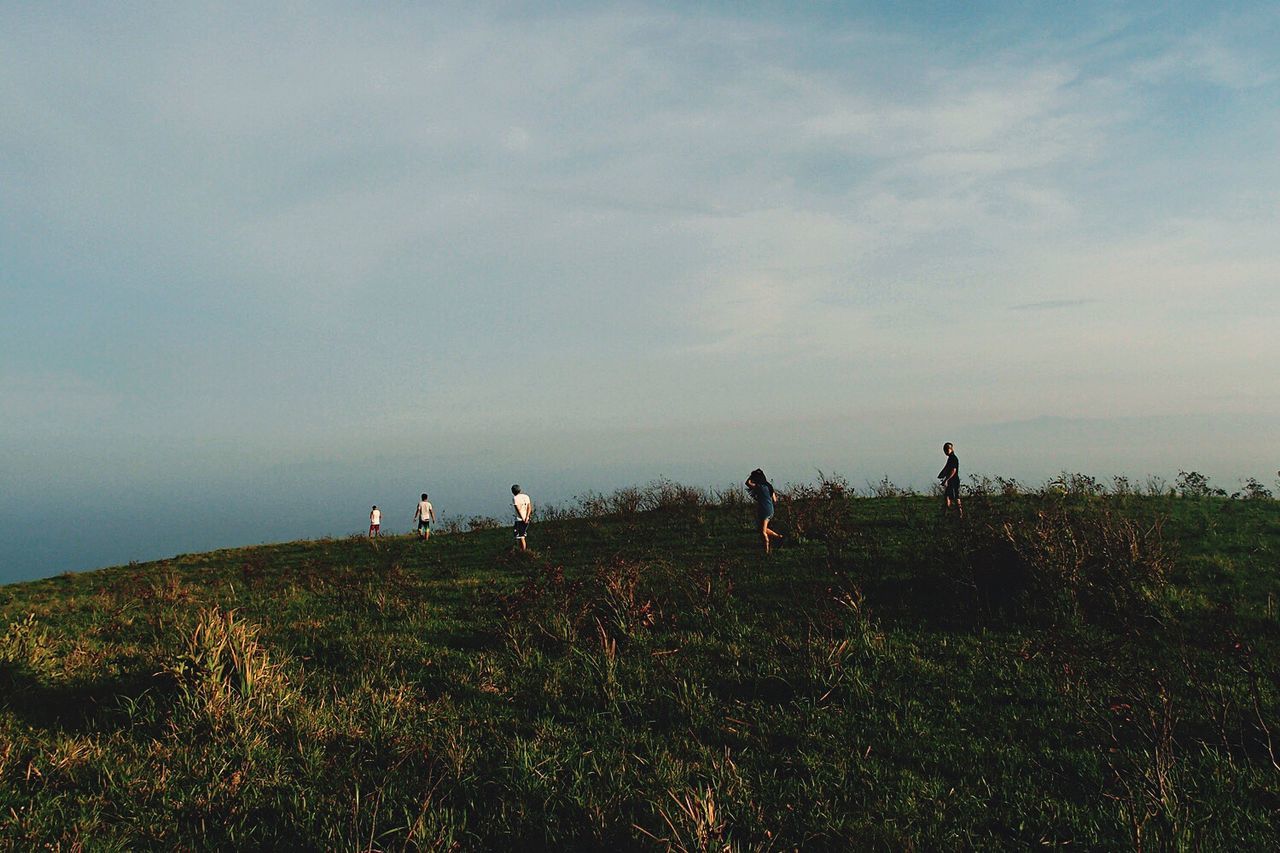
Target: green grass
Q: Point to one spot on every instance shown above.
(650, 680)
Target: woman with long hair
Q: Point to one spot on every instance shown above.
(763, 493)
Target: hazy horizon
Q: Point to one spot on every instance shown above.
(261, 267)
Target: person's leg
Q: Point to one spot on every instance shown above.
(764, 533)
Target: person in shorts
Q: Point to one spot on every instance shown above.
(949, 476)
(522, 506)
(375, 522)
(765, 496)
(423, 516)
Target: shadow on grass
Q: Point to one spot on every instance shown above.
(76, 706)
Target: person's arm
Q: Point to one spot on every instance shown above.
(432, 511)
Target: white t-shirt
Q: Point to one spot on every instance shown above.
(375, 517)
(424, 511)
(522, 506)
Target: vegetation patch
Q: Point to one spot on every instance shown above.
(1071, 666)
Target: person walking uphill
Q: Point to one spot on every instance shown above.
(523, 508)
(763, 493)
(423, 516)
(950, 478)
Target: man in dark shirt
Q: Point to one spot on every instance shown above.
(950, 477)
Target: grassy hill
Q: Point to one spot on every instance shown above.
(1100, 672)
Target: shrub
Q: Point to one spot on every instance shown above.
(732, 497)
(820, 513)
(1088, 563)
(1084, 485)
(886, 488)
(981, 486)
(555, 512)
(448, 525)
(1009, 487)
(667, 494)
(1055, 486)
(1253, 491)
(1074, 485)
(661, 494)
(625, 502)
(1193, 484)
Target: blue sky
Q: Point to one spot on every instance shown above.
(261, 267)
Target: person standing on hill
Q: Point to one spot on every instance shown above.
(949, 476)
(423, 516)
(763, 493)
(523, 508)
(375, 522)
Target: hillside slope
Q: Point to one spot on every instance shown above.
(1100, 672)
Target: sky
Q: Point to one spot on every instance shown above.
(265, 265)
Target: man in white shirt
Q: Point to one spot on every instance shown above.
(423, 516)
(523, 508)
(375, 522)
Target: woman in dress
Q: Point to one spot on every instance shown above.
(763, 493)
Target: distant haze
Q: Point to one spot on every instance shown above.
(262, 267)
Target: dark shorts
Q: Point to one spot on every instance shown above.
(521, 529)
(951, 489)
(424, 524)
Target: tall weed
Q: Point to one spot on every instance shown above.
(24, 652)
(225, 670)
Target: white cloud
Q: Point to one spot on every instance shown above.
(1224, 59)
(735, 179)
